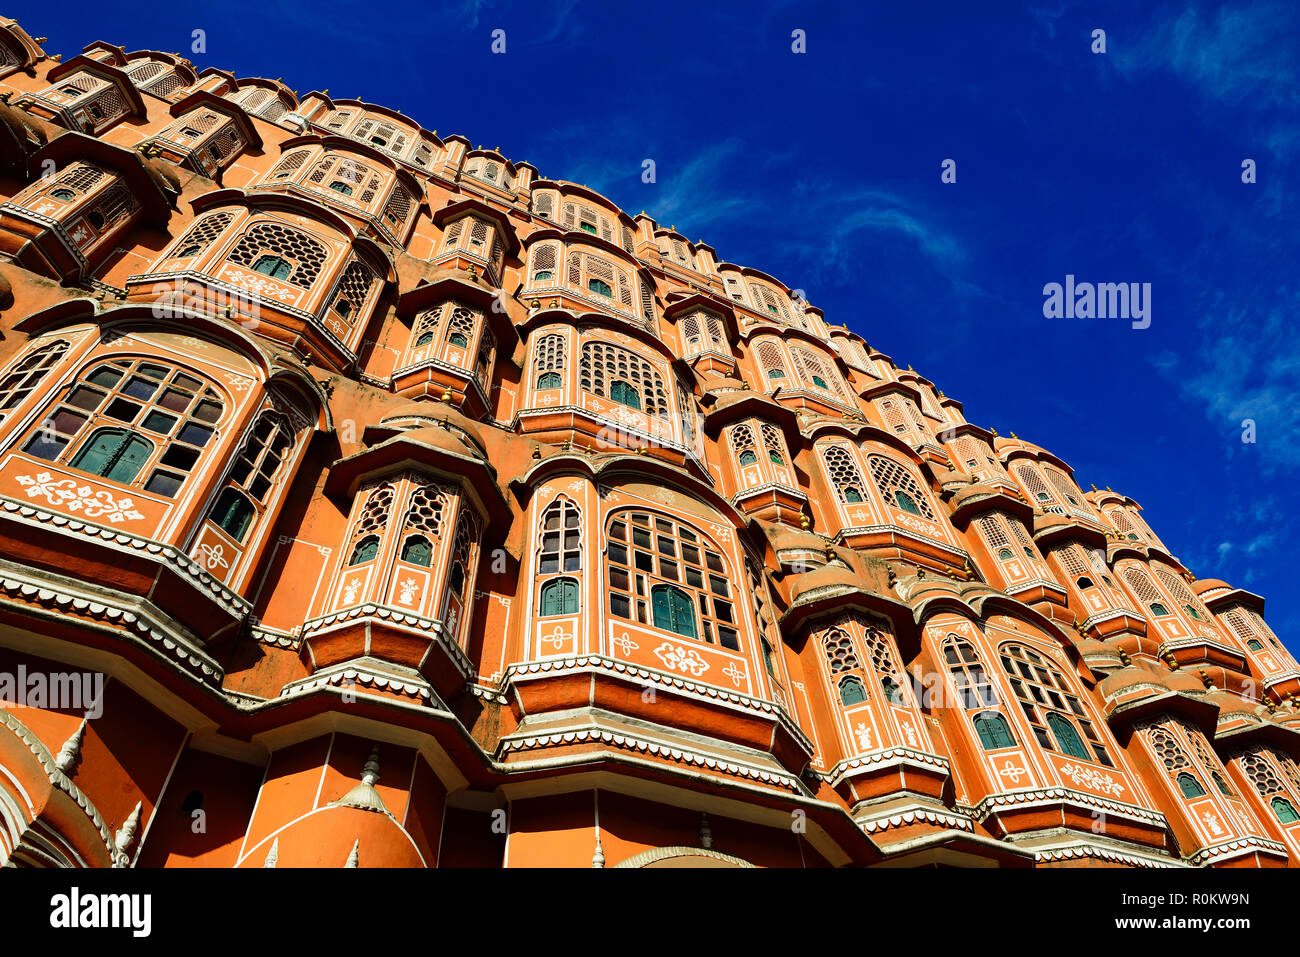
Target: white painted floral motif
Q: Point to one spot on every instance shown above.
(624, 644)
(864, 736)
(409, 587)
(237, 382)
(737, 675)
(909, 732)
(1212, 822)
(1012, 771)
(67, 494)
(350, 591)
(557, 638)
(214, 556)
(260, 284)
(678, 658)
(1092, 778)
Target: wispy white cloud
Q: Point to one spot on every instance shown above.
(1233, 54)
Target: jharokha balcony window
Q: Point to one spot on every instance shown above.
(134, 422)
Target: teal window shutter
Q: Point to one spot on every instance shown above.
(560, 597)
(1284, 810)
(993, 731)
(673, 610)
(747, 457)
(625, 394)
(1067, 738)
(1190, 787)
(852, 692)
(417, 551)
(906, 503)
(365, 551)
(115, 454)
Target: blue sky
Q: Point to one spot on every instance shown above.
(822, 169)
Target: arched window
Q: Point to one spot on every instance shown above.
(1067, 738)
(893, 693)
(417, 550)
(560, 597)
(602, 366)
(993, 731)
(1190, 787)
(271, 249)
(1158, 609)
(456, 580)
(843, 473)
(201, 235)
(364, 551)
(742, 443)
(233, 513)
(771, 360)
(646, 550)
(852, 691)
(1048, 701)
(131, 417)
(1255, 645)
(561, 538)
(353, 290)
(592, 273)
(673, 610)
(548, 361)
(1084, 582)
(1284, 810)
(840, 655)
(458, 339)
(817, 370)
(773, 442)
(974, 688)
(28, 373)
(892, 479)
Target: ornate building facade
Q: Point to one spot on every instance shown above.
(399, 506)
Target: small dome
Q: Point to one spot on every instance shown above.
(1185, 682)
(795, 539)
(445, 439)
(830, 578)
(1129, 679)
(327, 836)
(1231, 707)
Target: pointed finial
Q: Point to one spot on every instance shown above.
(706, 832)
(363, 795)
(598, 856)
(1094, 486)
(125, 836)
(273, 855)
(354, 856)
(70, 753)
(993, 432)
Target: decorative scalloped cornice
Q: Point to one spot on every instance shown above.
(887, 757)
(632, 743)
(1054, 795)
(691, 688)
(176, 560)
